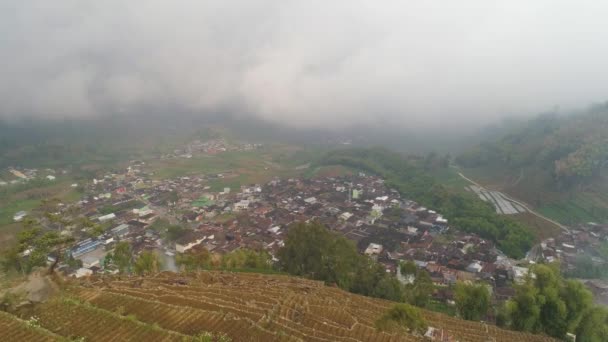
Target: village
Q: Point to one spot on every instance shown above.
(131, 205)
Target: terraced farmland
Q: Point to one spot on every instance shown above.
(242, 306)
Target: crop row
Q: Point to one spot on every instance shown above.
(71, 319)
(14, 329)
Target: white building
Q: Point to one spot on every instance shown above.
(19, 216)
(106, 217)
(311, 200)
(474, 267)
(184, 244)
(373, 249)
(345, 216)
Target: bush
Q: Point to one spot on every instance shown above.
(402, 317)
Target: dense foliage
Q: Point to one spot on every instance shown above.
(548, 303)
(465, 212)
(123, 256)
(593, 326)
(574, 147)
(312, 251)
(240, 259)
(33, 247)
(146, 263)
(472, 300)
(402, 317)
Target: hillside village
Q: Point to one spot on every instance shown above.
(132, 204)
(129, 205)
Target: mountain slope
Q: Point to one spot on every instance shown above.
(242, 306)
(559, 164)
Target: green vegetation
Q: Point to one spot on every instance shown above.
(402, 317)
(549, 304)
(593, 326)
(147, 262)
(246, 259)
(237, 260)
(122, 256)
(420, 291)
(38, 244)
(472, 300)
(312, 251)
(557, 163)
(464, 211)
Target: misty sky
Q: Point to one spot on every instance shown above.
(308, 63)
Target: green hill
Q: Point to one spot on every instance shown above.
(556, 163)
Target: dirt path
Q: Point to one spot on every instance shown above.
(524, 205)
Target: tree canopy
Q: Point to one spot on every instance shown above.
(402, 317)
(548, 303)
(472, 300)
(312, 251)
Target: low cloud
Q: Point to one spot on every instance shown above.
(304, 63)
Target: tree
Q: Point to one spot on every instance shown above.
(421, 290)
(247, 259)
(593, 326)
(472, 300)
(175, 232)
(402, 317)
(147, 262)
(123, 256)
(194, 259)
(33, 248)
(312, 251)
(548, 303)
(408, 268)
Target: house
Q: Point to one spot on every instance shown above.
(241, 205)
(188, 241)
(121, 230)
(83, 272)
(19, 216)
(345, 216)
(373, 249)
(311, 200)
(108, 217)
(474, 267)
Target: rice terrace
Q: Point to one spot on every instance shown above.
(232, 306)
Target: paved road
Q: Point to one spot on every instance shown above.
(524, 205)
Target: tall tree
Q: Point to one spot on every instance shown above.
(123, 256)
(147, 262)
(548, 303)
(472, 300)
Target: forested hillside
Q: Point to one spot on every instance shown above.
(557, 163)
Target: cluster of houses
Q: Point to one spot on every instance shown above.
(209, 147)
(15, 175)
(258, 216)
(585, 241)
(126, 206)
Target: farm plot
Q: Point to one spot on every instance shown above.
(14, 329)
(242, 306)
(502, 204)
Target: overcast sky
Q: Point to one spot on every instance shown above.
(309, 63)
